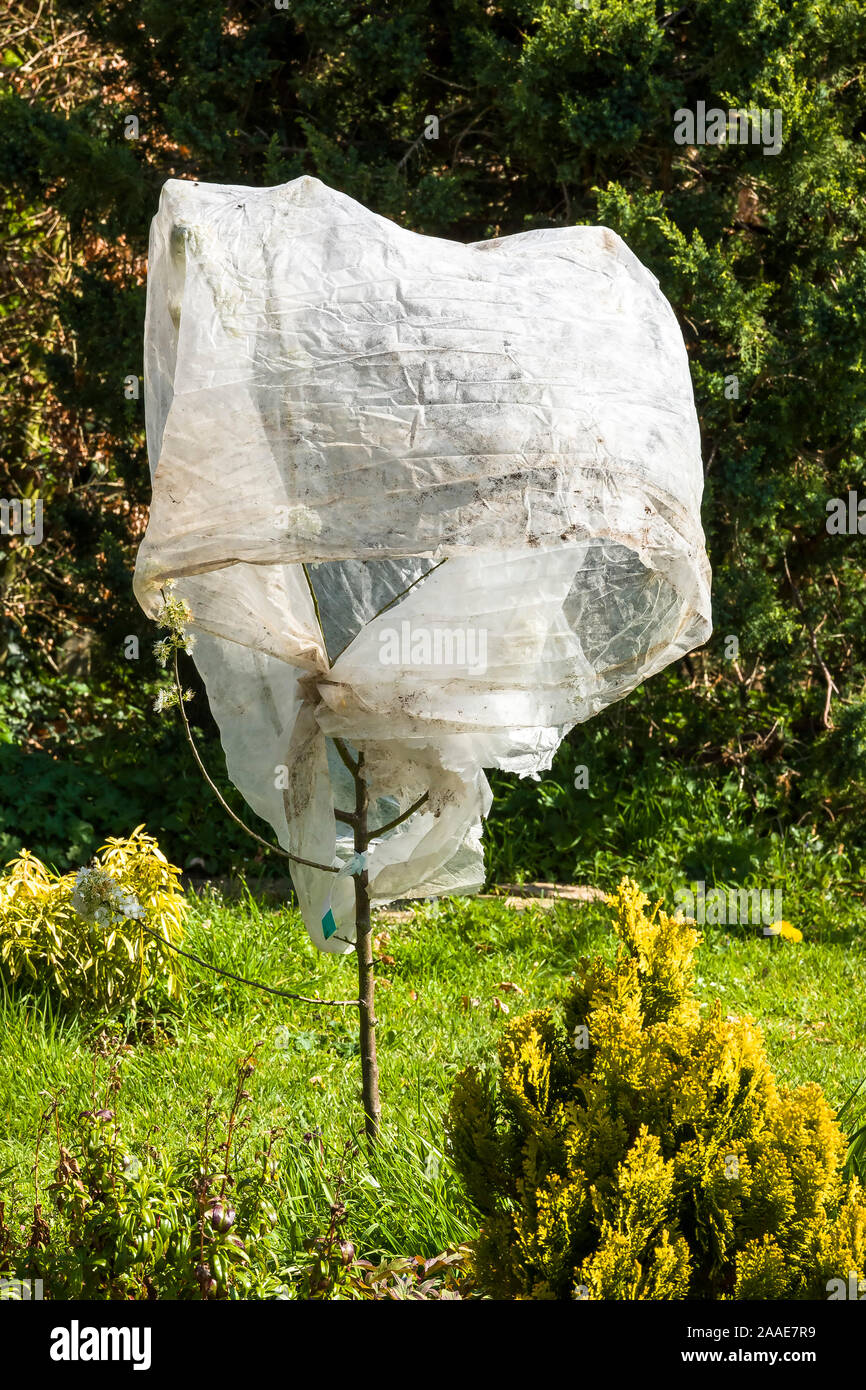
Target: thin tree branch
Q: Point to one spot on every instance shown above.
(390, 604)
(315, 603)
(831, 684)
(345, 756)
(398, 820)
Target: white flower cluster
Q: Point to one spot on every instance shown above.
(99, 898)
(169, 696)
(175, 615)
(163, 649)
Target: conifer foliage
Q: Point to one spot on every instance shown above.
(639, 1147)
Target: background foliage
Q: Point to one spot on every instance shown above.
(550, 114)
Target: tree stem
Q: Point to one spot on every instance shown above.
(366, 978)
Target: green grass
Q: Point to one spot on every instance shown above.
(808, 998)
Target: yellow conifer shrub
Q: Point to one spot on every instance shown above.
(83, 935)
(637, 1150)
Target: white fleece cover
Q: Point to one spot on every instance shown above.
(439, 500)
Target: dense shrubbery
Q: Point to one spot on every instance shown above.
(639, 1150)
(550, 114)
(97, 940)
(72, 800)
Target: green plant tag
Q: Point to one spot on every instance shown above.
(329, 926)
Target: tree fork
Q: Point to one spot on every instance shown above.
(366, 977)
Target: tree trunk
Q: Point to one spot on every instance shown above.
(366, 979)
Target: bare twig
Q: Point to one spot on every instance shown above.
(832, 687)
(398, 820)
(462, 136)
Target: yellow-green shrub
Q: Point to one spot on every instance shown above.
(658, 1161)
(98, 964)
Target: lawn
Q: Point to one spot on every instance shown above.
(449, 977)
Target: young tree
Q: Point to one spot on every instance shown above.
(470, 120)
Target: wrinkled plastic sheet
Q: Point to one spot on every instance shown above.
(441, 501)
